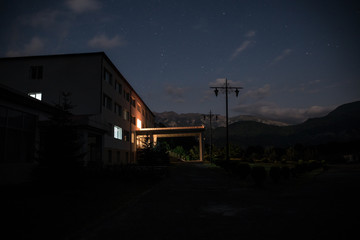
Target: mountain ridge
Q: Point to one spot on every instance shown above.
(340, 125)
(173, 119)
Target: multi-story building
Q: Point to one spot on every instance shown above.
(104, 103)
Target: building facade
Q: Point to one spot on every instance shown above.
(102, 99)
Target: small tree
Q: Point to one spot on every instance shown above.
(60, 147)
(153, 155)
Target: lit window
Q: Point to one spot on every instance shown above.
(38, 96)
(118, 132)
(138, 123)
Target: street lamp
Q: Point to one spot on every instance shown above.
(227, 88)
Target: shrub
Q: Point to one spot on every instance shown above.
(275, 173)
(258, 174)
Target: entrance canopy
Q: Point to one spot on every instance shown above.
(155, 133)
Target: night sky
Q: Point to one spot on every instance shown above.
(294, 59)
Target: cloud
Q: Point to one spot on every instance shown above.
(240, 49)
(244, 45)
(220, 82)
(102, 41)
(284, 54)
(45, 18)
(80, 6)
(250, 34)
(176, 93)
(257, 94)
(288, 115)
(34, 47)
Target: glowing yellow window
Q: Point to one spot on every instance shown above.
(138, 123)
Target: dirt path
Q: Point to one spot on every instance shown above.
(198, 202)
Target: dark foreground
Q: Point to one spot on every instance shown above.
(196, 201)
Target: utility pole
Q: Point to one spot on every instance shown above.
(227, 88)
(210, 116)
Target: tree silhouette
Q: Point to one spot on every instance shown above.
(60, 147)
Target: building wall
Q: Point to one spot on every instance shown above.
(132, 115)
(78, 74)
(97, 88)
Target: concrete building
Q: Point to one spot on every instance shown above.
(105, 105)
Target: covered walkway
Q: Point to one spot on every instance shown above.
(155, 133)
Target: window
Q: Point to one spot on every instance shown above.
(133, 101)
(117, 109)
(127, 96)
(107, 102)
(138, 107)
(107, 77)
(126, 135)
(118, 87)
(36, 72)
(133, 120)
(118, 157)
(118, 132)
(138, 123)
(38, 96)
(126, 115)
(132, 137)
(109, 156)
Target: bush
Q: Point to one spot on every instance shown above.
(258, 174)
(275, 173)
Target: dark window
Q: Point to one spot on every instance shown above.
(107, 102)
(118, 156)
(132, 119)
(126, 115)
(118, 109)
(36, 72)
(118, 87)
(133, 101)
(110, 156)
(107, 77)
(126, 136)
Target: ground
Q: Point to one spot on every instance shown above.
(199, 201)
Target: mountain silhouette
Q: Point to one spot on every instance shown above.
(340, 125)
